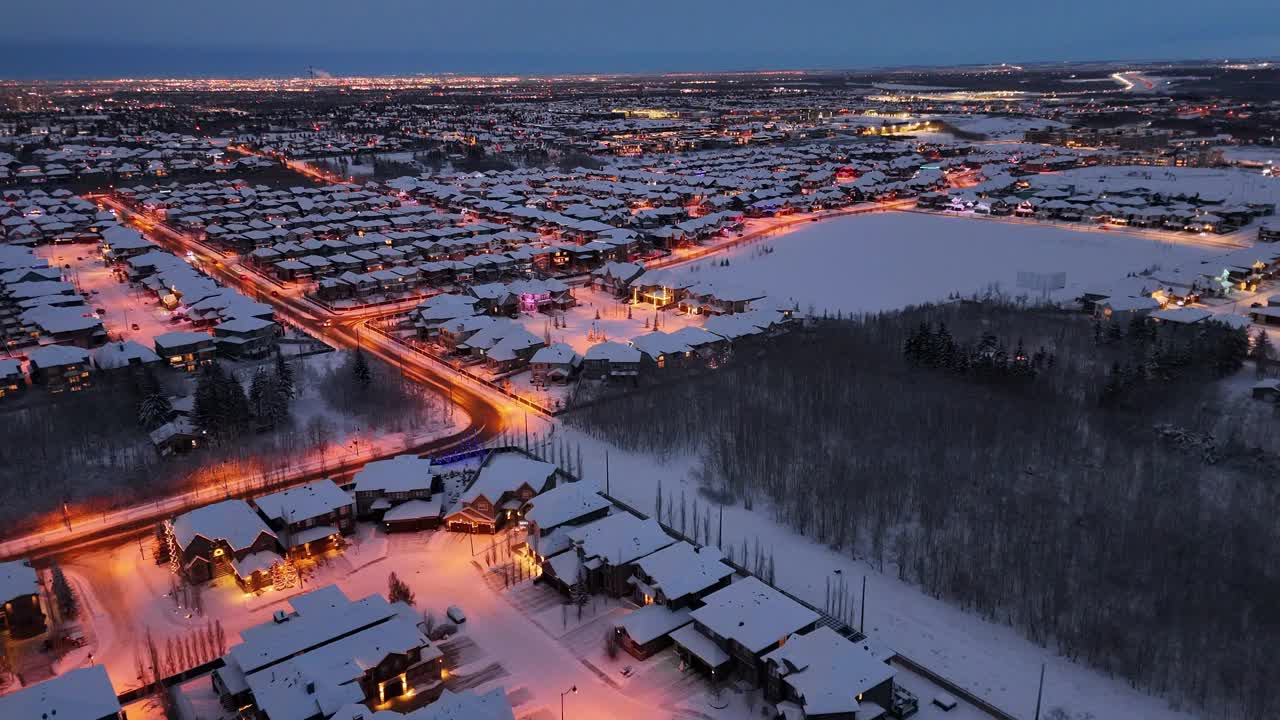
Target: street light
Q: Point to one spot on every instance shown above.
(573, 690)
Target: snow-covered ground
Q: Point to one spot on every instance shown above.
(989, 659)
(883, 261)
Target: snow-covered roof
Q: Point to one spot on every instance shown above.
(753, 614)
(506, 472)
(403, 473)
(122, 352)
(305, 501)
(700, 645)
(555, 354)
(80, 694)
(653, 621)
(230, 520)
(55, 355)
(829, 671)
(467, 705)
(413, 510)
(620, 539)
(681, 569)
(319, 617)
(613, 352)
(563, 504)
(17, 579)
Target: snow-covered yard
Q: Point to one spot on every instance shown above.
(883, 261)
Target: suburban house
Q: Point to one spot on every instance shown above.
(742, 624)
(310, 518)
(556, 363)
(329, 652)
(123, 355)
(616, 277)
(679, 576)
(20, 611)
(506, 481)
(464, 705)
(246, 337)
(225, 538)
(185, 349)
(12, 379)
(59, 368)
(603, 553)
(611, 360)
(824, 676)
(403, 492)
(647, 630)
(80, 694)
(565, 506)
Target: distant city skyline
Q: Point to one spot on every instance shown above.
(283, 38)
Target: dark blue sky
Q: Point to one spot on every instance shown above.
(114, 38)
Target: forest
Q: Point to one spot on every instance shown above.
(1098, 486)
(92, 451)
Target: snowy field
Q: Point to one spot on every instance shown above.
(1233, 186)
(989, 659)
(884, 261)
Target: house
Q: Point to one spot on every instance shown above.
(123, 355)
(178, 436)
(556, 363)
(12, 379)
(744, 622)
(506, 481)
(20, 611)
(59, 368)
(679, 576)
(225, 538)
(616, 277)
(829, 677)
(609, 360)
(1122, 309)
(328, 653)
(647, 630)
(467, 705)
(246, 337)
(1267, 390)
(603, 553)
(405, 480)
(569, 504)
(80, 694)
(185, 350)
(309, 518)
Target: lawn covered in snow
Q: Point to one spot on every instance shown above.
(884, 261)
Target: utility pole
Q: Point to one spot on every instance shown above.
(1040, 692)
(720, 530)
(606, 472)
(862, 621)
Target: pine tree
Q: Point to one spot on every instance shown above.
(234, 406)
(154, 410)
(62, 592)
(284, 377)
(360, 370)
(260, 392)
(207, 407)
(1263, 353)
(398, 591)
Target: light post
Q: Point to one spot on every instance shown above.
(573, 690)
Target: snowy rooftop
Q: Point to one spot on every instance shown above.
(403, 473)
(230, 520)
(613, 352)
(828, 670)
(80, 694)
(681, 569)
(565, 503)
(17, 579)
(467, 705)
(319, 617)
(620, 539)
(653, 621)
(55, 355)
(753, 614)
(305, 501)
(555, 354)
(120, 353)
(506, 472)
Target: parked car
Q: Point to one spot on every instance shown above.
(455, 614)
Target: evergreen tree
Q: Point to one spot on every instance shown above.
(261, 390)
(62, 592)
(234, 407)
(360, 370)
(398, 591)
(284, 377)
(207, 409)
(1263, 353)
(154, 410)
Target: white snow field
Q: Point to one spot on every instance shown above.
(884, 261)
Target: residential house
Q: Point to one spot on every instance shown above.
(506, 481)
(185, 350)
(310, 518)
(567, 505)
(246, 337)
(679, 576)
(12, 379)
(20, 611)
(225, 538)
(554, 364)
(405, 487)
(83, 693)
(60, 368)
(611, 360)
(744, 622)
(604, 552)
(647, 630)
(825, 676)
